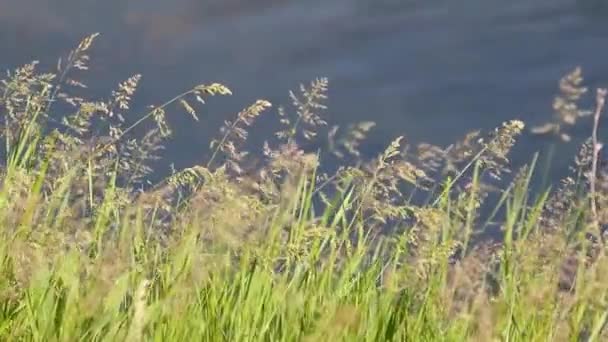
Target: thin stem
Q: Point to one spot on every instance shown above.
(223, 141)
(142, 119)
(72, 58)
(600, 100)
(462, 172)
(7, 129)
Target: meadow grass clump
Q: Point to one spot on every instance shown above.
(273, 246)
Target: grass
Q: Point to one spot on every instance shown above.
(272, 247)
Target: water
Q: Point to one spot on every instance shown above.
(431, 70)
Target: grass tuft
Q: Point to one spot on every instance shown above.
(443, 243)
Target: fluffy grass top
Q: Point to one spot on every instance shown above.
(272, 246)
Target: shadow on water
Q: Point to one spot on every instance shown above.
(431, 70)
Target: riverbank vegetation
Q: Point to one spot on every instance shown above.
(421, 243)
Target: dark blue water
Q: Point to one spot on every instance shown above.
(431, 70)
